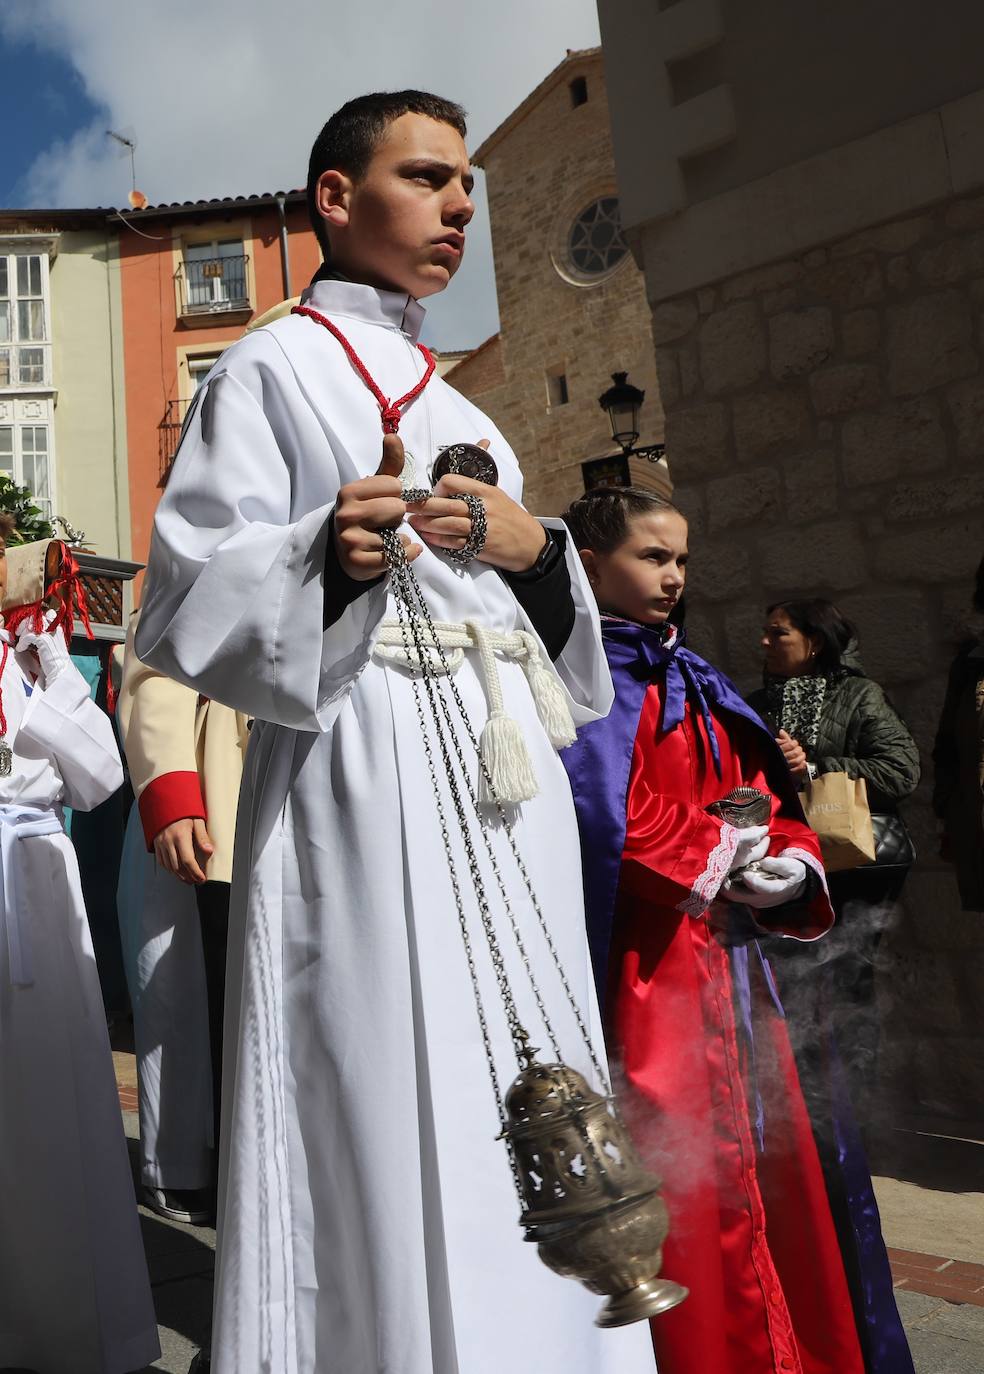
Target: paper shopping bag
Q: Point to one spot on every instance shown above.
(836, 807)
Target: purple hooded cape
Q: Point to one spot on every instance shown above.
(599, 766)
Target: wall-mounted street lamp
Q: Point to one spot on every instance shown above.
(622, 401)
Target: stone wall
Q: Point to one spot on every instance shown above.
(541, 172)
(825, 431)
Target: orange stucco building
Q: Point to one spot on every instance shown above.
(193, 276)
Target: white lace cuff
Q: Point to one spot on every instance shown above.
(719, 864)
(805, 935)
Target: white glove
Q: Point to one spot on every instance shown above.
(771, 883)
(51, 649)
(753, 844)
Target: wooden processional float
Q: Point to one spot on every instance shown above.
(84, 590)
(44, 576)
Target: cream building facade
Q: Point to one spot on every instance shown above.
(572, 302)
(804, 190)
(62, 420)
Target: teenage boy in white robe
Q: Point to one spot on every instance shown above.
(369, 1221)
(74, 1291)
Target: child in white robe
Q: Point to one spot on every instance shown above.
(74, 1291)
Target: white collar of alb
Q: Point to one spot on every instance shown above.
(354, 301)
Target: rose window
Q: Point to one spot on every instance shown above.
(595, 244)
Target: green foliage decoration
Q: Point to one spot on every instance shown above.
(31, 521)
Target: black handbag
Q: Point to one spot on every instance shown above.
(893, 843)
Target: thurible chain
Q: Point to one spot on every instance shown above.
(413, 608)
(405, 583)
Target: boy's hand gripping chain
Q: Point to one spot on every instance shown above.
(593, 1210)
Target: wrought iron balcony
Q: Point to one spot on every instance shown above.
(168, 435)
(213, 286)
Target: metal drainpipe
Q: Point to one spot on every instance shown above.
(284, 259)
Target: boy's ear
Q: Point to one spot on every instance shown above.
(332, 197)
(590, 564)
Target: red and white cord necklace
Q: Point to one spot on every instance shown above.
(390, 411)
(6, 753)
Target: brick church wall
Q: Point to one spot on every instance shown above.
(546, 168)
(480, 371)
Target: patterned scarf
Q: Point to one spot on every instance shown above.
(796, 704)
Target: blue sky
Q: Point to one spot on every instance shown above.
(225, 97)
(43, 98)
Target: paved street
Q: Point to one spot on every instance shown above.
(930, 1190)
(181, 1258)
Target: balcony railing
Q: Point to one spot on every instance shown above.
(213, 286)
(168, 434)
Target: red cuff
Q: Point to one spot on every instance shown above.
(171, 797)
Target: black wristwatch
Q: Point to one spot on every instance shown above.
(549, 556)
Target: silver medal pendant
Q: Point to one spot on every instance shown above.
(6, 759)
(465, 460)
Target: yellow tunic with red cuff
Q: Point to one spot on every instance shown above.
(185, 755)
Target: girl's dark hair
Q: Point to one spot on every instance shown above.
(8, 525)
(599, 519)
(816, 617)
(978, 598)
(351, 136)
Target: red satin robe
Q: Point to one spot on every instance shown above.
(751, 1233)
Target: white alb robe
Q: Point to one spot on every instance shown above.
(368, 1223)
(74, 1291)
(165, 973)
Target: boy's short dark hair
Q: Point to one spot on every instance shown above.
(599, 519)
(351, 136)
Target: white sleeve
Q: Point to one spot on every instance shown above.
(233, 603)
(582, 666)
(67, 724)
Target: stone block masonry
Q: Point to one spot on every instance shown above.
(561, 337)
(830, 441)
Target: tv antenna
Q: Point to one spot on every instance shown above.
(128, 142)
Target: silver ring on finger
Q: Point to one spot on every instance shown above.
(475, 542)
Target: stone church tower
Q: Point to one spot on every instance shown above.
(572, 303)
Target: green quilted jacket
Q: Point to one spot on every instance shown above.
(861, 735)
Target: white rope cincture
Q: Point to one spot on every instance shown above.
(501, 744)
(502, 747)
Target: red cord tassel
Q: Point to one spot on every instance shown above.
(68, 589)
(110, 685)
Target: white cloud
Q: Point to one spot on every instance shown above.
(226, 98)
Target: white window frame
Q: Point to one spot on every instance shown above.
(11, 251)
(199, 364)
(18, 426)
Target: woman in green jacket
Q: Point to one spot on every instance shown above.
(830, 718)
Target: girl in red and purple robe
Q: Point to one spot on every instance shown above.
(677, 924)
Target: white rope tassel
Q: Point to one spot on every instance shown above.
(551, 704)
(501, 747)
